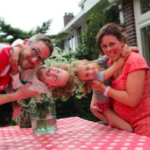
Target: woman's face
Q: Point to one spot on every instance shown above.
(111, 46)
(55, 77)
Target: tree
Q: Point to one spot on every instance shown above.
(6, 31)
(44, 28)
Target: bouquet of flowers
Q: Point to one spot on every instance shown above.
(37, 109)
(38, 106)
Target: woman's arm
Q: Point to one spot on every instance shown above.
(134, 89)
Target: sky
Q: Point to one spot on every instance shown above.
(28, 14)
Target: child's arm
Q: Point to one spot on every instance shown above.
(127, 50)
(114, 68)
(14, 59)
(16, 83)
(117, 121)
(134, 49)
(120, 62)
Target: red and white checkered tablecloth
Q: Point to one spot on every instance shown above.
(73, 134)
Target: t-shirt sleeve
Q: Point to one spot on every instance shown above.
(4, 60)
(102, 61)
(136, 62)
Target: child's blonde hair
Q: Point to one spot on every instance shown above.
(74, 69)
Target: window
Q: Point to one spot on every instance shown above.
(145, 33)
(142, 20)
(142, 23)
(70, 45)
(73, 43)
(145, 6)
(82, 7)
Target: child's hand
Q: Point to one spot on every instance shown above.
(17, 110)
(126, 51)
(134, 49)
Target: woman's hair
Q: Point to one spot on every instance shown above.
(68, 90)
(110, 29)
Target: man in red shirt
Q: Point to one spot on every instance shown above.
(30, 56)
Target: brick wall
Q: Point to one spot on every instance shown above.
(129, 21)
(149, 83)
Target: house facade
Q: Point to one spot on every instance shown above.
(134, 15)
(78, 23)
(136, 19)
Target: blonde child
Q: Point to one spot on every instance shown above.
(97, 70)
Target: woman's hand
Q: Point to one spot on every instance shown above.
(97, 85)
(97, 112)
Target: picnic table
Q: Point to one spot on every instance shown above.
(72, 134)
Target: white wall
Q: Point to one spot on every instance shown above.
(89, 3)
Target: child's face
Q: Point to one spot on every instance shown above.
(55, 77)
(87, 72)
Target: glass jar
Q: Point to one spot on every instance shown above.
(43, 119)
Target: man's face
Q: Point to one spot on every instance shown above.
(27, 59)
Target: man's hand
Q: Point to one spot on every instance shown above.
(24, 92)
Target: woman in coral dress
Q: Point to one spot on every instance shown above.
(129, 86)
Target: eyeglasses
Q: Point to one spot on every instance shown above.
(35, 54)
